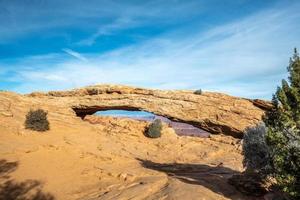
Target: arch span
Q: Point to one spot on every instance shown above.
(213, 112)
(207, 125)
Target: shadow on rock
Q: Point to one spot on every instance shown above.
(6, 168)
(26, 190)
(213, 178)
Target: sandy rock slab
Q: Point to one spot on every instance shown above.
(113, 159)
(213, 112)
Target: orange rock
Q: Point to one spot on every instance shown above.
(213, 112)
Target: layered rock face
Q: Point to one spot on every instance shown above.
(213, 112)
(110, 158)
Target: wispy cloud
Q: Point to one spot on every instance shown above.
(75, 54)
(20, 18)
(246, 57)
(107, 29)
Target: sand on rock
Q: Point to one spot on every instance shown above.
(110, 158)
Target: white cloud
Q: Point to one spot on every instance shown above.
(75, 54)
(246, 58)
(107, 29)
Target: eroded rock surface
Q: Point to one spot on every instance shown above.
(213, 112)
(112, 159)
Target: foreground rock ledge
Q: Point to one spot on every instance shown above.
(213, 112)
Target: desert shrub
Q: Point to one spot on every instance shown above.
(254, 180)
(37, 120)
(285, 154)
(154, 129)
(283, 134)
(255, 149)
(274, 151)
(198, 92)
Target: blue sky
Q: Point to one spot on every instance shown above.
(240, 47)
(125, 113)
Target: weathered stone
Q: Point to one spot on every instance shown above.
(109, 159)
(213, 112)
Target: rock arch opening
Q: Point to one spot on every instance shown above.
(82, 111)
(181, 128)
(134, 114)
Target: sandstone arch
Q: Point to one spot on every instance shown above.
(213, 112)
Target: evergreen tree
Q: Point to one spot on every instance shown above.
(283, 131)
